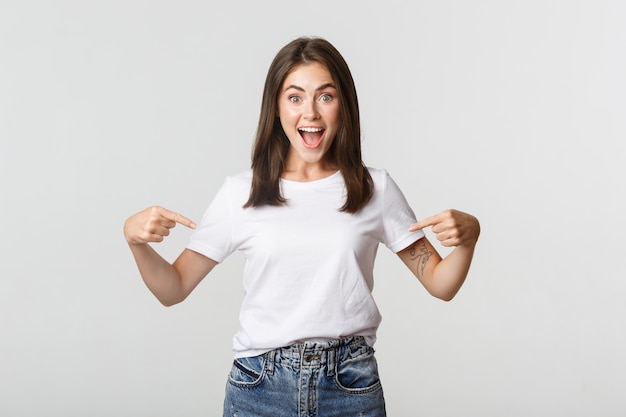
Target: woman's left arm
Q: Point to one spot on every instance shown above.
(443, 277)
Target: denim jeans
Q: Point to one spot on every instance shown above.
(337, 378)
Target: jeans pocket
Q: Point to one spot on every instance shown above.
(358, 374)
(247, 372)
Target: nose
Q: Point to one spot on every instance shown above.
(310, 111)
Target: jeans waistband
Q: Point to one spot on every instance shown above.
(315, 353)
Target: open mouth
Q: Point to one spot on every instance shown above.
(311, 136)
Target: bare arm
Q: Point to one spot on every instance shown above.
(170, 283)
(443, 277)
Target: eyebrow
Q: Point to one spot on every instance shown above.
(321, 87)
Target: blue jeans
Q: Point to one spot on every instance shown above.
(337, 378)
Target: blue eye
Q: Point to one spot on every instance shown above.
(295, 99)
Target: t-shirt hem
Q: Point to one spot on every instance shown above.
(370, 340)
(206, 251)
(406, 242)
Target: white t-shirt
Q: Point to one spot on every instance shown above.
(309, 267)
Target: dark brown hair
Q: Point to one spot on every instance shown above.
(271, 145)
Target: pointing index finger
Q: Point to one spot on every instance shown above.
(178, 218)
(428, 221)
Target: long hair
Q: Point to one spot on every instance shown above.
(272, 145)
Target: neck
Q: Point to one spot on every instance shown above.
(308, 172)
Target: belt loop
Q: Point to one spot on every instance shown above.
(331, 361)
(270, 357)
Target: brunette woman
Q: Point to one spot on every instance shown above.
(308, 217)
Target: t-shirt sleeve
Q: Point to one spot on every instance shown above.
(213, 238)
(397, 217)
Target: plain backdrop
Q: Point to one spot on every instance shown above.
(511, 110)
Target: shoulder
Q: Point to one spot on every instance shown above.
(236, 187)
(380, 177)
(240, 179)
(384, 183)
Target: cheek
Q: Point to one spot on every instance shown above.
(280, 112)
(333, 117)
(286, 114)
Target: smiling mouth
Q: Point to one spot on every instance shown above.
(311, 136)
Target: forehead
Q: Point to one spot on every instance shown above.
(311, 74)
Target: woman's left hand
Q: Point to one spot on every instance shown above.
(452, 228)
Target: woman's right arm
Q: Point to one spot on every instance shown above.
(170, 283)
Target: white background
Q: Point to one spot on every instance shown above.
(511, 110)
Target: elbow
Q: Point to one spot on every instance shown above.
(446, 296)
(170, 301)
(445, 290)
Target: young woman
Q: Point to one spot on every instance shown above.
(308, 217)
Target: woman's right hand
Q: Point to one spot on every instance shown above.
(152, 225)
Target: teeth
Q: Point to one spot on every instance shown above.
(310, 129)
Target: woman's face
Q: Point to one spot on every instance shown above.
(308, 109)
